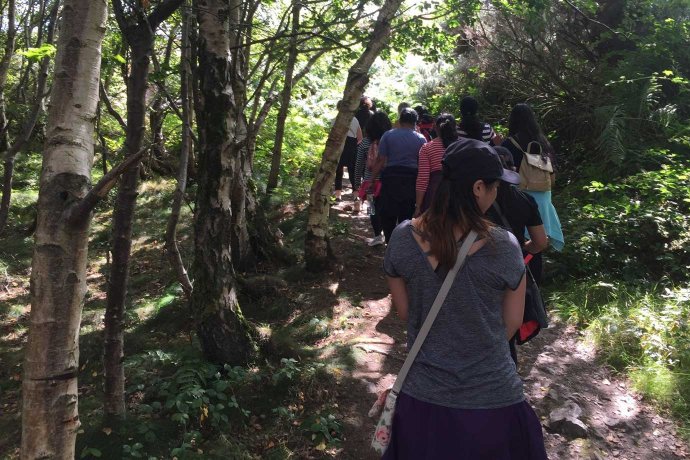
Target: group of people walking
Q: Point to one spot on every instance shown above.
(462, 397)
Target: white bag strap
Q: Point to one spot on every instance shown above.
(435, 307)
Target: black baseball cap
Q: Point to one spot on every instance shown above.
(469, 160)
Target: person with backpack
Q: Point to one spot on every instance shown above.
(518, 213)
(533, 157)
(397, 161)
(367, 156)
(461, 398)
(471, 126)
(430, 156)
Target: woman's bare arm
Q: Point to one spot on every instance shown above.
(514, 308)
(399, 295)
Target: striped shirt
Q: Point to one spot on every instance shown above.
(487, 132)
(362, 173)
(430, 156)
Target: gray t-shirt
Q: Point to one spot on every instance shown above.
(465, 360)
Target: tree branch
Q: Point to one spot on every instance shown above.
(81, 210)
(162, 12)
(109, 106)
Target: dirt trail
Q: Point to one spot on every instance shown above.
(557, 369)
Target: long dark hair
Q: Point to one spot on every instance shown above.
(378, 124)
(447, 129)
(523, 127)
(470, 123)
(454, 205)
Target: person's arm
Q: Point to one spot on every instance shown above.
(513, 308)
(359, 134)
(538, 241)
(399, 296)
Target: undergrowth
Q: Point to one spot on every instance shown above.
(642, 330)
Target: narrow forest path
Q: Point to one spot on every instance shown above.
(558, 370)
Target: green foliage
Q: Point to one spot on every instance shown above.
(635, 228)
(322, 428)
(644, 330)
(303, 145)
(36, 54)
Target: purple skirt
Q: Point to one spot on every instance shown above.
(423, 430)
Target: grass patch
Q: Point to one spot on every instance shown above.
(641, 330)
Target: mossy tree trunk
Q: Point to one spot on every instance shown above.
(220, 218)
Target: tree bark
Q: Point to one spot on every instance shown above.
(317, 248)
(223, 332)
(139, 36)
(4, 136)
(50, 418)
(185, 95)
(29, 123)
(274, 173)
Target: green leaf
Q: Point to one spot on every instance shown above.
(36, 54)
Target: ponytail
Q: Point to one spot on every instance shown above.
(447, 129)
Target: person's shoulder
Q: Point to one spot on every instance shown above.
(503, 239)
(401, 236)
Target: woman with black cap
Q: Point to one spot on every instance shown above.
(462, 397)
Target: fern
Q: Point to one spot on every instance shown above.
(609, 144)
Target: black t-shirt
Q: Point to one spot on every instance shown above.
(363, 115)
(519, 209)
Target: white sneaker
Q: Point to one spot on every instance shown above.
(376, 240)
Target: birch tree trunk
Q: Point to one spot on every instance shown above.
(140, 36)
(317, 247)
(50, 418)
(223, 332)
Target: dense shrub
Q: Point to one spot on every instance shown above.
(637, 227)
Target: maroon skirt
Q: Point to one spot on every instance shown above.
(423, 430)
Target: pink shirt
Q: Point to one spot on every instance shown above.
(430, 156)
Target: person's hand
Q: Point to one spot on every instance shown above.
(417, 212)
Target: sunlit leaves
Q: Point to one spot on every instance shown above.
(36, 54)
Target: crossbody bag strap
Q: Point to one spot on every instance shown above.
(506, 224)
(435, 307)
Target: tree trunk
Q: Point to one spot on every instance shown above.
(50, 417)
(4, 137)
(317, 247)
(140, 37)
(185, 95)
(223, 332)
(274, 174)
(29, 123)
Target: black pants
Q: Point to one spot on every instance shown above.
(347, 158)
(376, 224)
(397, 199)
